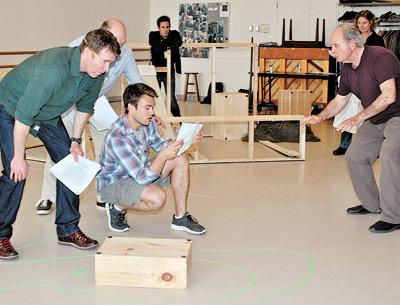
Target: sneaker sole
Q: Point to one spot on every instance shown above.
(100, 207)
(364, 213)
(63, 243)
(43, 212)
(109, 223)
(9, 257)
(181, 228)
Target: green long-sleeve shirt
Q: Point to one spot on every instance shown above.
(47, 84)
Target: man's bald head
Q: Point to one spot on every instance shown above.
(117, 28)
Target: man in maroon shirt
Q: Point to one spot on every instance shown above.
(372, 74)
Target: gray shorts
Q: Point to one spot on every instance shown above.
(128, 191)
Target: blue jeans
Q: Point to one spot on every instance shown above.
(57, 143)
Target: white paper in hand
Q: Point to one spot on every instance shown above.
(75, 175)
(103, 115)
(187, 133)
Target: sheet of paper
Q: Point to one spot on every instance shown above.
(75, 175)
(187, 133)
(103, 115)
(352, 108)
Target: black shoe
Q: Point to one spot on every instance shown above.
(187, 223)
(116, 219)
(339, 151)
(100, 205)
(383, 227)
(43, 207)
(360, 210)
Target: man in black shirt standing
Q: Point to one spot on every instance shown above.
(160, 41)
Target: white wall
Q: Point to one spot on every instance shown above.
(40, 24)
(233, 66)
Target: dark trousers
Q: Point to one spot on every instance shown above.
(162, 78)
(345, 139)
(57, 143)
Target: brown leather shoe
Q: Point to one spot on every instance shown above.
(78, 240)
(7, 251)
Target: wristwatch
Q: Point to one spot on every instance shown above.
(77, 140)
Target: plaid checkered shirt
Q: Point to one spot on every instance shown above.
(125, 153)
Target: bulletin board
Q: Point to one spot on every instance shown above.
(203, 22)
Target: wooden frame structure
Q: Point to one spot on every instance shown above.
(287, 154)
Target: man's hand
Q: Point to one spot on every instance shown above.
(76, 150)
(347, 124)
(170, 152)
(19, 169)
(158, 121)
(312, 120)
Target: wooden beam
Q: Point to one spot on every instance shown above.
(233, 118)
(280, 149)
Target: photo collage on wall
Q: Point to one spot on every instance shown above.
(202, 22)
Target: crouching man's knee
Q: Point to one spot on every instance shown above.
(154, 197)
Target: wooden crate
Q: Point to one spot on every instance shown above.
(143, 262)
(295, 102)
(228, 104)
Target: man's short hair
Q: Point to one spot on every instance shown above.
(100, 39)
(163, 19)
(134, 92)
(350, 32)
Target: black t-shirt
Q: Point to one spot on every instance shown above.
(375, 40)
(377, 65)
(159, 45)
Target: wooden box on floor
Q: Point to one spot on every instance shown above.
(143, 262)
(228, 104)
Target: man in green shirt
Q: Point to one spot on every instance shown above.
(32, 98)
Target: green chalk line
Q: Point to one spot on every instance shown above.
(221, 300)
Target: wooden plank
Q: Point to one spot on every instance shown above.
(294, 53)
(142, 46)
(233, 118)
(245, 160)
(280, 149)
(230, 104)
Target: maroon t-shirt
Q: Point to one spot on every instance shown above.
(376, 66)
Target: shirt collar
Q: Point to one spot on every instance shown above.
(128, 129)
(75, 61)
